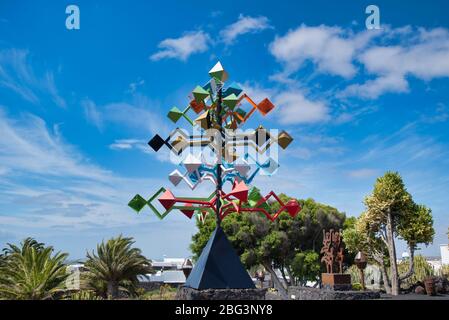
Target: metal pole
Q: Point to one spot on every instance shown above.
(362, 275)
(219, 181)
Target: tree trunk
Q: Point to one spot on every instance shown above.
(379, 260)
(112, 290)
(362, 279)
(411, 263)
(314, 239)
(276, 282)
(284, 277)
(385, 278)
(392, 254)
(293, 281)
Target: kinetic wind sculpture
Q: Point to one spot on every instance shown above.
(220, 112)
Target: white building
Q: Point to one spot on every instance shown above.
(169, 271)
(444, 249)
(168, 276)
(168, 264)
(435, 263)
(373, 277)
(73, 281)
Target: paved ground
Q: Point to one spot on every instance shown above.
(272, 296)
(409, 296)
(413, 296)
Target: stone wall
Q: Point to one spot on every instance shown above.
(306, 293)
(154, 285)
(220, 294)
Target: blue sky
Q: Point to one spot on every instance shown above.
(78, 106)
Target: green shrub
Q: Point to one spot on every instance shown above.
(445, 271)
(83, 295)
(355, 274)
(422, 270)
(165, 292)
(357, 286)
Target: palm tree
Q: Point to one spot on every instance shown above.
(31, 272)
(116, 266)
(28, 242)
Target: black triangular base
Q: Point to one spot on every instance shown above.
(219, 266)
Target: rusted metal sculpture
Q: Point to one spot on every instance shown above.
(333, 257)
(332, 250)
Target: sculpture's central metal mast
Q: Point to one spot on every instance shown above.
(219, 120)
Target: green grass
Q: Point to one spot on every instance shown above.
(164, 293)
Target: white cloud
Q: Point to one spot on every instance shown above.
(48, 84)
(257, 92)
(134, 85)
(123, 144)
(243, 25)
(294, 107)
(128, 144)
(92, 114)
(441, 114)
(363, 173)
(47, 183)
(198, 41)
(34, 149)
(183, 47)
(374, 88)
(331, 49)
(163, 155)
(347, 114)
(424, 56)
(133, 114)
(215, 13)
(407, 143)
(389, 57)
(313, 151)
(17, 74)
(420, 53)
(299, 153)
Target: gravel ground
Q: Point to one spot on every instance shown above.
(409, 296)
(413, 296)
(272, 296)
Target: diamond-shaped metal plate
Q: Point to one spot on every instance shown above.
(137, 203)
(156, 142)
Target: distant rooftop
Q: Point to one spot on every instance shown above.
(169, 263)
(174, 260)
(431, 258)
(169, 276)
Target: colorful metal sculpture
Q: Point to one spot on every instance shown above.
(260, 140)
(220, 112)
(231, 202)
